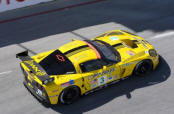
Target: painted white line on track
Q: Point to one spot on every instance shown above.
(7, 72)
(162, 35)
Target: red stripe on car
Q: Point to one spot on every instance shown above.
(93, 48)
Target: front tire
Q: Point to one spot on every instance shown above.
(143, 67)
(69, 95)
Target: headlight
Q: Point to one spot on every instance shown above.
(152, 53)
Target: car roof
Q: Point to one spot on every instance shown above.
(78, 52)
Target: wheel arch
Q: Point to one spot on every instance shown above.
(73, 86)
(148, 59)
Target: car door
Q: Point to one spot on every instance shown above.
(97, 73)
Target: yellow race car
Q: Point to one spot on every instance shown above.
(80, 67)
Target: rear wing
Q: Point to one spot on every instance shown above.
(34, 67)
(23, 56)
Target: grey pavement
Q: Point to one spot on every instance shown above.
(152, 94)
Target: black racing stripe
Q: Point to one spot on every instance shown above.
(115, 45)
(134, 41)
(75, 49)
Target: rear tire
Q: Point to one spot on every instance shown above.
(69, 95)
(143, 67)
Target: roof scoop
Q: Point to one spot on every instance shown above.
(129, 43)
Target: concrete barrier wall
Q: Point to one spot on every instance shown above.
(6, 5)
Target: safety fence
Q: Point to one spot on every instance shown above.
(6, 5)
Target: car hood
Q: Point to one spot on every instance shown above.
(130, 47)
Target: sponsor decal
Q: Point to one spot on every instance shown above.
(114, 38)
(93, 81)
(67, 83)
(130, 52)
(93, 85)
(9, 1)
(35, 68)
(147, 51)
(110, 76)
(100, 73)
(102, 80)
(31, 76)
(127, 64)
(115, 77)
(30, 85)
(39, 92)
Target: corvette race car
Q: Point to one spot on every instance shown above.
(83, 66)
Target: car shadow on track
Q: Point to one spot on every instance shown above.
(125, 87)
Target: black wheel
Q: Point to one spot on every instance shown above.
(69, 95)
(143, 67)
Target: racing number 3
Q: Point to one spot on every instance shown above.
(102, 80)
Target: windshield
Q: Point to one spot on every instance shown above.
(57, 63)
(107, 52)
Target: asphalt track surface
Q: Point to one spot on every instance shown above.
(151, 19)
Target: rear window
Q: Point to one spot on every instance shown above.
(57, 63)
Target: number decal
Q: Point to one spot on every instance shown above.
(39, 92)
(102, 80)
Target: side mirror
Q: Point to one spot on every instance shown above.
(104, 67)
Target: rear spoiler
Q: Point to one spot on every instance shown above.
(23, 56)
(34, 67)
